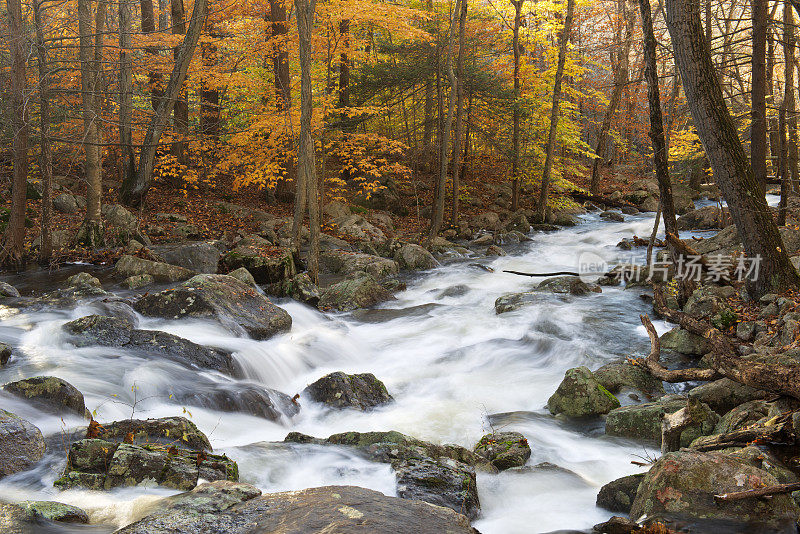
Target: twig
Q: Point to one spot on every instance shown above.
(767, 491)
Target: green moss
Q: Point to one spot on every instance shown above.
(604, 391)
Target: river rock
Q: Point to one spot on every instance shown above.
(83, 280)
(360, 290)
(580, 394)
(415, 258)
(5, 353)
(358, 228)
(138, 281)
(236, 397)
(615, 376)
(199, 257)
(119, 333)
(268, 264)
(50, 393)
(441, 482)
(21, 444)
(705, 218)
(99, 464)
(237, 509)
(488, 220)
(128, 266)
(300, 287)
(724, 394)
(571, 285)
(339, 390)
(7, 290)
(643, 421)
(617, 525)
(742, 416)
(54, 511)
(519, 222)
(15, 519)
(681, 486)
(685, 342)
(504, 450)
(613, 216)
(177, 431)
(243, 275)
(618, 495)
(344, 262)
(122, 225)
(234, 304)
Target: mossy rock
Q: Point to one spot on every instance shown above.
(643, 421)
(504, 450)
(340, 390)
(580, 394)
(51, 393)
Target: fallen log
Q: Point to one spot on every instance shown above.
(535, 275)
(776, 435)
(653, 364)
(597, 199)
(759, 492)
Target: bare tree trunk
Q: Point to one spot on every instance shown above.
(180, 147)
(551, 138)
(782, 171)
(15, 232)
(437, 217)
(155, 79)
(720, 140)
(789, 100)
(758, 113)
(209, 95)
(46, 162)
(774, 141)
(459, 133)
(134, 191)
(516, 133)
(283, 90)
(125, 91)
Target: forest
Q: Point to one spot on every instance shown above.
(496, 266)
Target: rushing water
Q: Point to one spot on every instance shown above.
(455, 368)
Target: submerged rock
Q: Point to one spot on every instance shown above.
(225, 299)
(339, 390)
(504, 449)
(238, 509)
(580, 394)
(50, 393)
(21, 444)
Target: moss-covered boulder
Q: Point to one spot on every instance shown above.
(361, 290)
(412, 257)
(580, 394)
(128, 266)
(50, 393)
(167, 431)
(54, 511)
(504, 449)
(618, 495)
(725, 394)
(685, 342)
(267, 263)
(441, 482)
(234, 304)
(616, 376)
(340, 390)
(21, 444)
(571, 285)
(681, 487)
(643, 421)
(346, 263)
(83, 279)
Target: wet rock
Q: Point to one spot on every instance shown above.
(243, 275)
(617, 525)
(83, 280)
(7, 290)
(5, 353)
(344, 262)
(415, 258)
(177, 431)
(705, 218)
(200, 257)
(98, 464)
(301, 288)
(268, 264)
(65, 203)
(441, 482)
(250, 399)
(484, 240)
(681, 486)
(339, 390)
(50, 393)
(138, 281)
(580, 394)
(643, 421)
(613, 216)
(221, 507)
(723, 395)
(227, 300)
(55, 511)
(118, 332)
(15, 520)
(615, 376)
(361, 290)
(685, 342)
(571, 285)
(161, 272)
(618, 495)
(504, 449)
(494, 250)
(21, 444)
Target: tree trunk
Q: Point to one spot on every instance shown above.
(45, 162)
(459, 133)
(15, 232)
(283, 91)
(789, 100)
(516, 133)
(155, 79)
(180, 147)
(134, 191)
(209, 94)
(125, 92)
(437, 216)
(720, 140)
(774, 141)
(551, 137)
(758, 113)
(782, 171)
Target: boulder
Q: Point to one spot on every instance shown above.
(236, 508)
(336, 209)
(21, 444)
(708, 302)
(7, 290)
(200, 257)
(616, 376)
(360, 290)
(98, 464)
(138, 281)
(65, 203)
(581, 395)
(339, 390)
(243, 275)
(122, 225)
(83, 280)
(268, 264)
(15, 519)
(617, 525)
(504, 449)
(705, 218)
(415, 258)
(5, 353)
(50, 393)
(643, 421)
(233, 303)
(571, 285)
(344, 262)
(613, 216)
(441, 482)
(685, 342)
(726, 242)
(725, 394)
(681, 486)
(742, 416)
(649, 204)
(488, 220)
(494, 250)
(54, 511)
(119, 333)
(358, 228)
(518, 222)
(161, 272)
(301, 288)
(250, 399)
(171, 431)
(618, 495)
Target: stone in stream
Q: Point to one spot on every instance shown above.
(616, 376)
(504, 450)
(7, 290)
(514, 301)
(21, 444)
(415, 258)
(119, 333)
(83, 279)
(643, 421)
(128, 266)
(236, 397)
(685, 342)
(618, 495)
(613, 216)
(680, 488)
(580, 394)
(49, 393)
(54, 511)
(705, 218)
(571, 285)
(345, 262)
(360, 290)
(238, 509)
(169, 431)
(231, 302)
(5, 353)
(200, 257)
(339, 390)
(267, 263)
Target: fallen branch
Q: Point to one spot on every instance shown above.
(767, 491)
(669, 375)
(558, 273)
(776, 435)
(577, 195)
